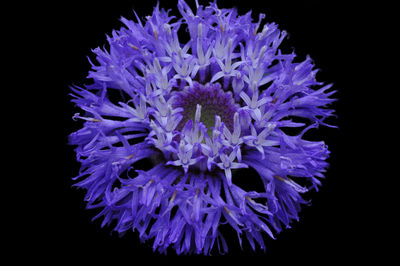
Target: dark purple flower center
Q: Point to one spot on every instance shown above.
(213, 100)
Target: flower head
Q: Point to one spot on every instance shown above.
(197, 111)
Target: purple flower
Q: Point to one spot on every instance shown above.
(197, 111)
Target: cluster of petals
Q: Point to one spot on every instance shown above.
(190, 190)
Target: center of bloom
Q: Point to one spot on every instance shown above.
(213, 100)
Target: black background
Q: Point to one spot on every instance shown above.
(335, 228)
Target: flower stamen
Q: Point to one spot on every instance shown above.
(213, 101)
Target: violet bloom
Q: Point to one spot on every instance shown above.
(197, 111)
